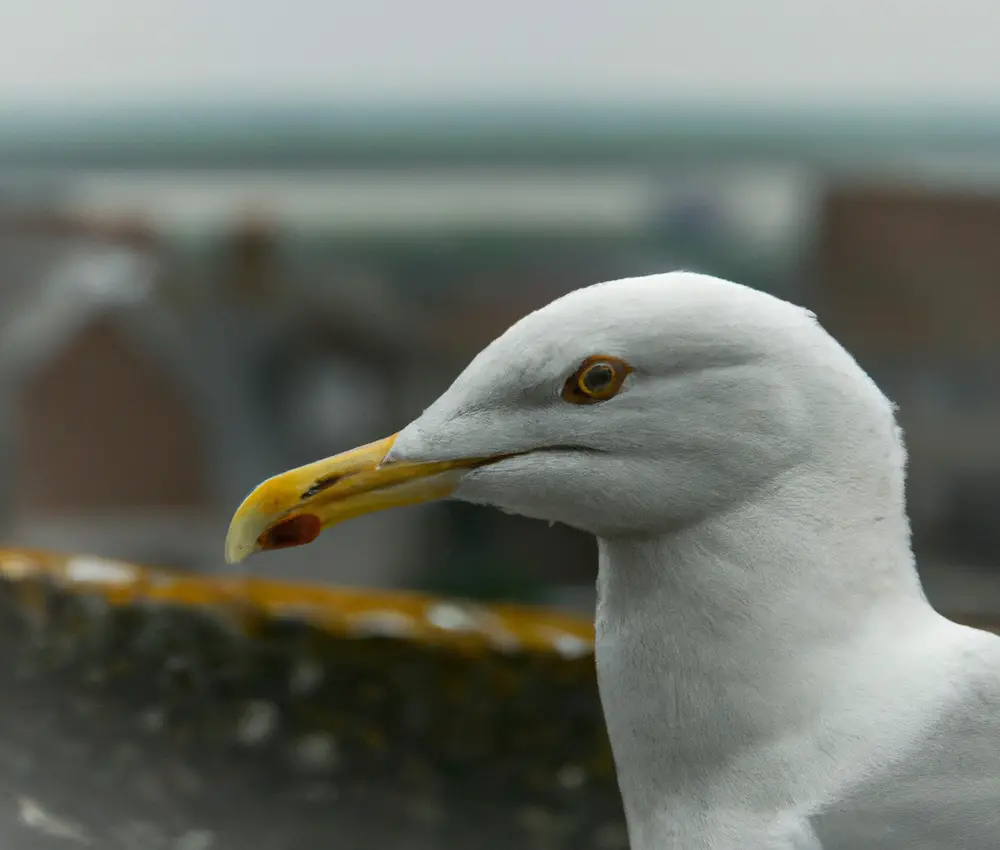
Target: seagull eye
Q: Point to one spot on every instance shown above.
(597, 379)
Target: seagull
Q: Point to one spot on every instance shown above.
(771, 673)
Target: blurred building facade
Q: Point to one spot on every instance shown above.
(206, 313)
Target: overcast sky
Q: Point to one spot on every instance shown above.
(938, 50)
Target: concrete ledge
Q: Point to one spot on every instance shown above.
(142, 709)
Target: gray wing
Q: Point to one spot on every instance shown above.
(946, 796)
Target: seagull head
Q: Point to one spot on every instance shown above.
(631, 407)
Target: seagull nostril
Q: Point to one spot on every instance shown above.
(321, 485)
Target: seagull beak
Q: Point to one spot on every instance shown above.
(293, 508)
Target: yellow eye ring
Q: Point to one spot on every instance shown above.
(597, 379)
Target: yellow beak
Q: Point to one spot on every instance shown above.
(291, 509)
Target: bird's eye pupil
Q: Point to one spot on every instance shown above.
(598, 378)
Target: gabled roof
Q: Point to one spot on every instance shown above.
(45, 308)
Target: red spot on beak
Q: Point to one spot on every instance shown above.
(296, 531)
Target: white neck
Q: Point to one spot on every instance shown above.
(717, 643)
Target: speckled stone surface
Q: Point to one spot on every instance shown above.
(145, 711)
